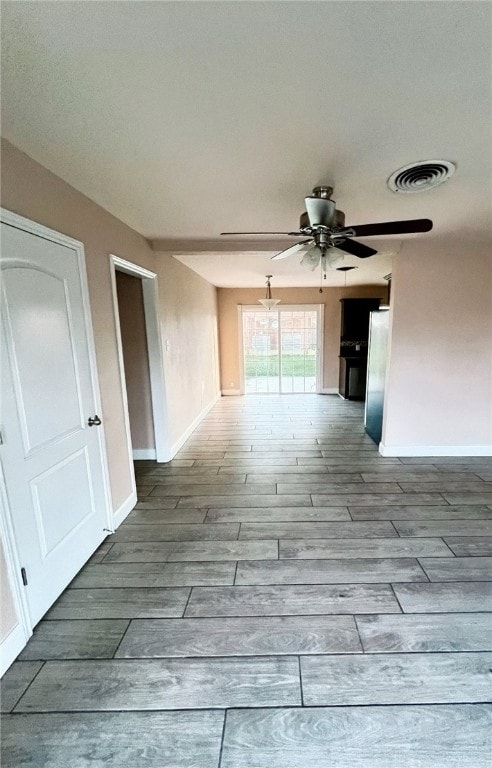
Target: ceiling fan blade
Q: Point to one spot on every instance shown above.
(320, 211)
(297, 248)
(356, 249)
(311, 258)
(390, 228)
(288, 234)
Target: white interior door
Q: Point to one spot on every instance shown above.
(53, 461)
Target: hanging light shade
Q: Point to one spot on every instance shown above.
(311, 258)
(329, 258)
(268, 302)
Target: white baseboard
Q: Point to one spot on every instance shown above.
(124, 510)
(10, 648)
(434, 450)
(143, 454)
(194, 424)
(324, 391)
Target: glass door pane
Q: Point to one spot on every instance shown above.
(261, 351)
(298, 359)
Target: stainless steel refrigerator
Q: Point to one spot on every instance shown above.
(376, 372)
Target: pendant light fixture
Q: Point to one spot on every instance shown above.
(268, 302)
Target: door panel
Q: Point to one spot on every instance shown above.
(52, 461)
(261, 351)
(280, 350)
(299, 346)
(56, 519)
(36, 307)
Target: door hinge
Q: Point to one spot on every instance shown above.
(1, 439)
(24, 576)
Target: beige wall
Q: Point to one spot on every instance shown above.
(188, 305)
(439, 383)
(136, 360)
(8, 618)
(230, 298)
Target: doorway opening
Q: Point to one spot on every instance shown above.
(136, 308)
(282, 349)
(136, 362)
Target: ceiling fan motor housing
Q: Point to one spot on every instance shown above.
(339, 220)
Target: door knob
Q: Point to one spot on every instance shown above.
(94, 422)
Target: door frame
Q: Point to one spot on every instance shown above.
(319, 308)
(158, 390)
(18, 637)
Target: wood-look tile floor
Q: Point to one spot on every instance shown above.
(281, 597)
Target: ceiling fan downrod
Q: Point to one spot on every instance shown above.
(322, 240)
(324, 192)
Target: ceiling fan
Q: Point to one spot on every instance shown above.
(327, 238)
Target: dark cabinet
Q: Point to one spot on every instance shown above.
(355, 318)
(353, 346)
(352, 379)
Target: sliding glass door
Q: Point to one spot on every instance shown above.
(281, 349)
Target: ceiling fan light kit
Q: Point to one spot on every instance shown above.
(326, 238)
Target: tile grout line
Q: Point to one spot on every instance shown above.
(304, 614)
(27, 687)
(300, 680)
(396, 598)
(398, 535)
(121, 639)
(453, 554)
(354, 616)
(187, 603)
(222, 738)
(424, 571)
(103, 557)
(246, 708)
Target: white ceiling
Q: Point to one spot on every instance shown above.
(185, 119)
(230, 269)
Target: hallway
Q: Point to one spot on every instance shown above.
(281, 597)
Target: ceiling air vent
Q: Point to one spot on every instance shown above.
(418, 177)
